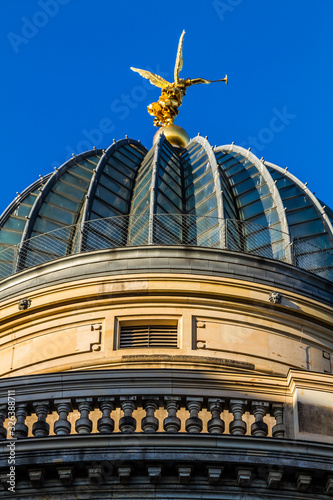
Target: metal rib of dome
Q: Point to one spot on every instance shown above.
(222, 197)
(109, 195)
(257, 198)
(59, 204)
(14, 218)
(13, 221)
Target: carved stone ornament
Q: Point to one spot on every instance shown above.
(275, 297)
(24, 304)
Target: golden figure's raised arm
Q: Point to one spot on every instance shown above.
(156, 80)
(179, 58)
(195, 81)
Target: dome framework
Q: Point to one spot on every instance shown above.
(221, 197)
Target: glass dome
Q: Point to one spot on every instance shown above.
(222, 197)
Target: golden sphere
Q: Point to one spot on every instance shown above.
(174, 134)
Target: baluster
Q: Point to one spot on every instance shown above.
(84, 425)
(62, 427)
(259, 410)
(215, 425)
(279, 429)
(3, 416)
(150, 423)
(237, 426)
(127, 423)
(21, 430)
(171, 423)
(41, 427)
(194, 423)
(105, 424)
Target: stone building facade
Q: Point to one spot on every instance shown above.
(166, 329)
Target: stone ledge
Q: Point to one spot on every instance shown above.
(176, 380)
(169, 259)
(179, 447)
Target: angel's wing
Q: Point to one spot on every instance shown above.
(179, 58)
(156, 80)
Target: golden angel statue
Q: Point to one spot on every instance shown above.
(165, 109)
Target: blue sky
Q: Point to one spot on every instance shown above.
(67, 85)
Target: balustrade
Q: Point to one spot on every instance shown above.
(62, 426)
(172, 423)
(41, 427)
(105, 424)
(21, 430)
(148, 414)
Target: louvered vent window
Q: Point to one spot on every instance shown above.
(136, 336)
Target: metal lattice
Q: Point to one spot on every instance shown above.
(160, 229)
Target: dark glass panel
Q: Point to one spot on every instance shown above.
(133, 149)
(259, 206)
(22, 211)
(30, 199)
(171, 172)
(144, 203)
(209, 238)
(45, 225)
(128, 156)
(296, 216)
(167, 204)
(10, 237)
(101, 210)
(194, 149)
(203, 180)
(57, 214)
(244, 187)
(202, 161)
(89, 163)
(211, 215)
(244, 174)
(223, 158)
(253, 195)
(163, 177)
(14, 224)
(96, 241)
(69, 189)
(191, 176)
(81, 171)
(128, 159)
(114, 174)
(321, 241)
(290, 192)
(75, 181)
(170, 194)
(200, 195)
(283, 182)
(63, 202)
(307, 228)
(298, 202)
(315, 260)
(141, 182)
(266, 219)
(170, 235)
(137, 197)
(111, 185)
(111, 199)
(114, 164)
(204, 207)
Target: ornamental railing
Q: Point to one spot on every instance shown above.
(163, 229)
(150, 413)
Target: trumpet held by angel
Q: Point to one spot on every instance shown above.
(165, 109)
